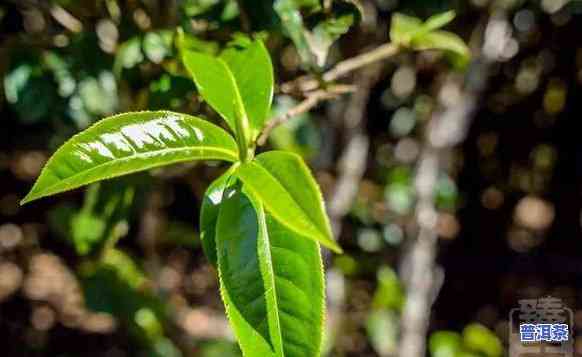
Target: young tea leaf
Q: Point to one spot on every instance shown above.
(128, 143)
(238, 84)
(215, 83)
(283, 183)
(251, 66)
(271, 280)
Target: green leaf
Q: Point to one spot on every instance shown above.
(443, 40)
(403, 28)
(238, 84)
(209, 214)
(299, 288)
(104, 215)
(118, 286)
(251, 66)
(190, 42)
(444, 343)
(437, 21)
(313, 30)
(479, 338)
(382, 329)
(411, 32)
(157, 45)
(326, 32)
(292, 22)
(300, 135)
(271, 281)
(215, 83)
(128, 143)
(283, 183)
(128, 55)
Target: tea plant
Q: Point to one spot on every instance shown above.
(262, 221)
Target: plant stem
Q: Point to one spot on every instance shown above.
(308, 85)
(307, 104)
(242, 129)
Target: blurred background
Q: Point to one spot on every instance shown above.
(118, 270)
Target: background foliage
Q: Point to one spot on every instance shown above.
(118, 269)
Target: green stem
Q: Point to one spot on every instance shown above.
(242, 131)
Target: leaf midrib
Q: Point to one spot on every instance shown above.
(312, 223)
(64, 182)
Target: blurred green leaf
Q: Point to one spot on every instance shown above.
(128, 55)
(190, 42)
(216, 13)
(444, 344)
(169, 92)
(411, 32)
(479, 338)
(369, 240)
(446, 194)
(403, 28)
(157, 45)
(103, 217)
(116, 285)
(399, 193)
(390, 292)
(290, 13)
(299, 135)
(99, 94)
(327, 31)
(29, 90)
(125, 268)
(443, 40)
(382, 329)
(437, 21)
(313, 30)
(181, 234)
(220, 349)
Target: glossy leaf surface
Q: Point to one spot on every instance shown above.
(283, 183)
(238, 84)
(299, 287)
(251, 66)
(271, 281)
(209, 214)
(128, 143)
(215, 83)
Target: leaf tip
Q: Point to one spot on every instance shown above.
(28, 198)
(334, 247)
